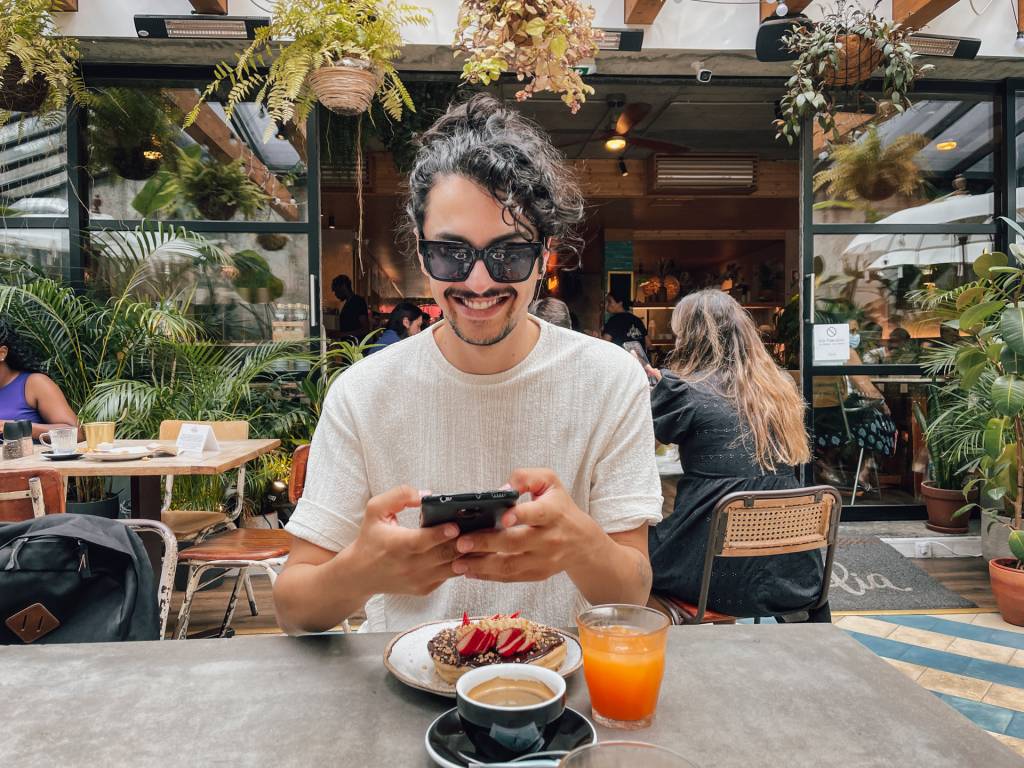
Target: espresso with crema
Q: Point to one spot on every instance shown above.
(505, 692)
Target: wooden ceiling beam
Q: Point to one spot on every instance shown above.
(795, 7)
(210, 130)
(845, 122)
(917, 13)
(214, 7)
(642, 11)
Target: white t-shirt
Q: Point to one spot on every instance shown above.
(405, 415)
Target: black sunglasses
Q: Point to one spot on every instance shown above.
(451, 262)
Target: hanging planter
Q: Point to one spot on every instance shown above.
(840, 52)
(337, 52)
(271, 241)
(346, 89)
(137, 163)
(131, 130)
(17, 96)
(864, 168)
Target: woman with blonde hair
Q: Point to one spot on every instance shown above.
(739, 422)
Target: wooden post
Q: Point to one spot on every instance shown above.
(215, 7)
(641, 11)
(917, 13)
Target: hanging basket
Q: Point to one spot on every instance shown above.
(132, 162)
(21, 97)
(214, 210)
(877, 187)
(858, 58)
(343, 89)
(269, 241)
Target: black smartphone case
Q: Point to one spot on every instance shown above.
(470, 511)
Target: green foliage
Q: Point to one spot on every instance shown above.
(29, 35)
(127, 120)
(540, 40)
(864, 164)
(212, 189)
(254, 273)
(819, 54)
(942, 468)
(305, 35)
(981, 425)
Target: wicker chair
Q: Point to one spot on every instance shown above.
(757, 524)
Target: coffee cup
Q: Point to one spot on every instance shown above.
(61, 441)
(508, 710)
(97, 432)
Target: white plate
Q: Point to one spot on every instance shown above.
(123, 453)
(408, 659)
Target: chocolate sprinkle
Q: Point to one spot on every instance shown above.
(442, 647)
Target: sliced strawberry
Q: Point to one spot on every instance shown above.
(465, 619)
(472, 642)
(509, 640)
(526, 645)
(514, 615)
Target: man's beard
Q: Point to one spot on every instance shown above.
(510, 323)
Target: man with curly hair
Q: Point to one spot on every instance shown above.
(502, 398)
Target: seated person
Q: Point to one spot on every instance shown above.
(502, 398)
(555, 311)
(739, 422)
(26, 394)
(405, 320)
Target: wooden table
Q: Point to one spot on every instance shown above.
(145, 474)
(742, 696)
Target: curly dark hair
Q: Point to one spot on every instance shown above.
(505, 153)
(20, 356)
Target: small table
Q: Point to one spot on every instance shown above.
(733, 697)
(145, 474)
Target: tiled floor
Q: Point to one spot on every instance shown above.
(972, 661)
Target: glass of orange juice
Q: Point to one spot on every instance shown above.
(623, 662)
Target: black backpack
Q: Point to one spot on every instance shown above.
(75, 579)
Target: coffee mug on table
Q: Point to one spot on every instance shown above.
(505, 732)
(62, 441)
(97, 432)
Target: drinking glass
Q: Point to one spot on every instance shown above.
(97, 432)
(62, 441)
(623, 662)
(623, 754)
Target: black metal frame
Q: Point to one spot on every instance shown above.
(1003, 96)
(78, 225)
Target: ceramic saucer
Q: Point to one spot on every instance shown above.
(450, 747)
(61, 456)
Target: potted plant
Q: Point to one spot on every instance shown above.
(338, 52)
(37, 65)
(542, 41)
(863, 169)
(131, 132)
(842, 50)
(987, 366)
(254, 281)
(943, 492)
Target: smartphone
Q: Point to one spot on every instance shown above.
(470, 511)
(638, 349)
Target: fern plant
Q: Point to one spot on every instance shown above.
(302, 37)
(864, 169)
(31, 44)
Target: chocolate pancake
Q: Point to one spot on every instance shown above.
(549, 651)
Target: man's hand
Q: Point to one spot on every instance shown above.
(403, 561)
(542, 537)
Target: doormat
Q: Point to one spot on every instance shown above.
(869, 575)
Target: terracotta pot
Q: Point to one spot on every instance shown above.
(857, 60)
(1008, 588)
(21, 97)
(941, 505)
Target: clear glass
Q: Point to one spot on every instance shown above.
(33, 165)
(865, 439)
(623, 662)
(46, 249)
(143, 164)
(866, 281)
(263, 295)
(932, 164)
(624, 754)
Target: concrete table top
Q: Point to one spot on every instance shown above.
(745, 696)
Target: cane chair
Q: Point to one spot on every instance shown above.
(757, 524)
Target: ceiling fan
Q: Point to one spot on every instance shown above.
(622, 117)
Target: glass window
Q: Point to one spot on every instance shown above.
(865, 280)
(33, 160)
(46, 249)
(932, 164)
(260, 291)
(864, 435)
(1020, 154)
(143, 164)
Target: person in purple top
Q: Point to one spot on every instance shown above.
(27, 394)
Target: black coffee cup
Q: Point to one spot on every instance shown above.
(501, 732)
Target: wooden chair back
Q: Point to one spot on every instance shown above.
(28, 493)
(760, 523)
(222, 430)
(297, 478)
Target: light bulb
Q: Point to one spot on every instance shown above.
(782, 9)
(1019, 42)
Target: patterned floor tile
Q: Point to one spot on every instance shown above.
(955, 685)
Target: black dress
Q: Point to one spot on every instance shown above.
(716, 461)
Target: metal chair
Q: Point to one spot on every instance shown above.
(757, 524)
